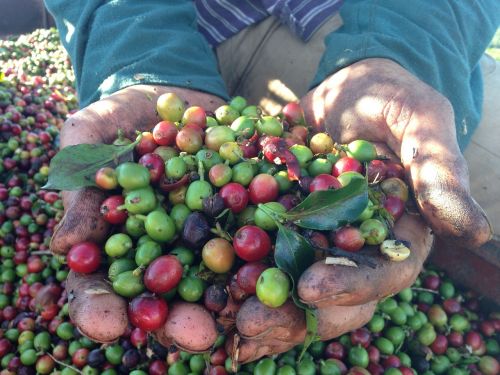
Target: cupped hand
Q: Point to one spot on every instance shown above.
(344, 298)
(97, 311)
(379, 101)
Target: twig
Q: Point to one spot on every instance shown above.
(41, 252)
(64, 364)
(425, 290)
(236, 352)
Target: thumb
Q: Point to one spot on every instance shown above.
(82, 220)
(440, 177)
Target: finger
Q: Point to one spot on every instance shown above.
(378, 100)
(264, 330)
(250, 350)
(100, 121)
(189, 326)
(97, 311)
(258, 321)
(322, 285)
(440, 179)
(81, 222)
(334, 321)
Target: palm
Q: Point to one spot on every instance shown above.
(97, 311)
(344, 297)
(377, 100)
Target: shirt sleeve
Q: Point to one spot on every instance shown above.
(441, 42)
(118, 43)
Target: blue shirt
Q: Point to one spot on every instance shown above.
(114, 44)
(218, 20)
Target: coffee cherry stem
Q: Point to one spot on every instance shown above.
(221, 232)
(424, 290)
(201, 171)
(223, 213)
(138, 271)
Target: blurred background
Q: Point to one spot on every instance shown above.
(23, 16)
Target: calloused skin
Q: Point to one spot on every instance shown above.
(374, 99)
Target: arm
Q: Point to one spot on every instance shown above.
(420, 67)
(125, 54)
(439, 42)
(118, 44)
(385, 77)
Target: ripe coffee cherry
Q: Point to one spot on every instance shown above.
(263, 188)
(148, 312)
(84, 257)
(439, 345)
(377, 171)
(106, 178)
(235, 196)
(394, 170)
(111, 212)
(348, 238)
(248, 275)
(146, 145)
(394, 206)
(215, 298)
(293, 113)
(335, 350)
(432, 282)
(164, 133)
(195, 115)
(251, 243)
(138, 338)
(154, 163)
(361, 336)
(324, 182)
(163, 274)
(473, 339)
(346, 164)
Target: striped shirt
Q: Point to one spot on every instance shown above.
(219, 20)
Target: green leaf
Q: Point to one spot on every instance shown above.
(331, 209)
(2, 76)
(74, 167)
(293, 254)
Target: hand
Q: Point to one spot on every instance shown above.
(379, 101)
(96, 310)
(344, 297)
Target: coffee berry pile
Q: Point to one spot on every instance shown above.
(434, 327)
